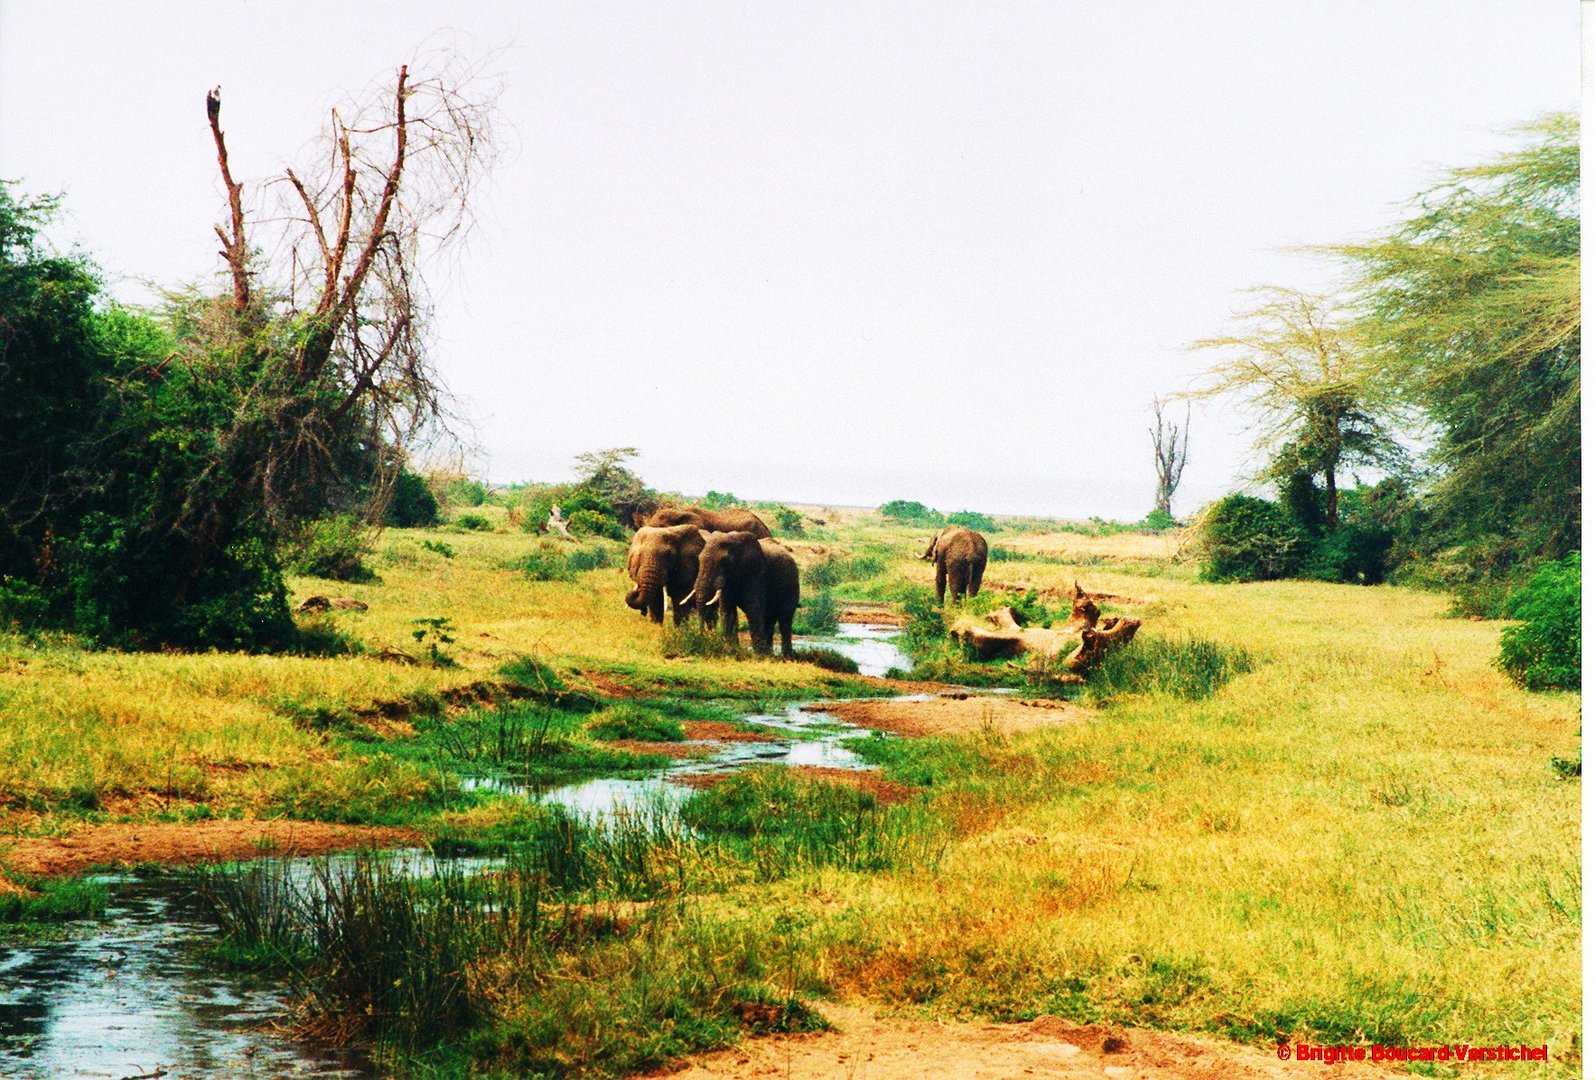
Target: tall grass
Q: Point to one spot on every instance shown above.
(1190, 668)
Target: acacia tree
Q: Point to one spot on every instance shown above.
(1319, 409)
(1171, 444)
(1471, 308)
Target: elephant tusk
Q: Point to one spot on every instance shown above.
(715, 599)
(685, 600)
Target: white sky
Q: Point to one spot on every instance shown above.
(831, 252)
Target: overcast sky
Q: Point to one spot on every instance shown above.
(836, 253)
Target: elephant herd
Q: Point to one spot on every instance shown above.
(722, 562)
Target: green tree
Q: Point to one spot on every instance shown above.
(1319, 407)
(1472, 308)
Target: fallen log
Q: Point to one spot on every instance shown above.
(999, 636)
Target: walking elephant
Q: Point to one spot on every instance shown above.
(960, 558)
(740, 571)
(663, 562)
(711, 520)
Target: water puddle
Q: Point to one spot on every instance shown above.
(135, 995)
(873, 648)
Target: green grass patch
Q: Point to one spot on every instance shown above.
(1191, 668)
(53, 900)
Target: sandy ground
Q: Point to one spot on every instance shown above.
(865, 1047)
(195, 841)
(884, 790)
(958, 714)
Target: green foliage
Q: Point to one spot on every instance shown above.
(1190, 668)
(53, 900)
(434, 632)
(971, 520)
(829, 659)
(1472, 308)
(438, 547)
(586, 522)
(474, 522)
(632, 720)
(833, 569)
(819, 614)
(1352, 554)
(1545, 650)
(555, 561)
(411, 503)
(788, 520)
(783, 823)
(719, 500)
(333, 548)
(1159, 521)
(1244, 538)
(692, 638)
(911, 513)
(462, 491)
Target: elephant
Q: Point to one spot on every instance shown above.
(660, 562)
(756, 574)
(712, 520)
(960, 557)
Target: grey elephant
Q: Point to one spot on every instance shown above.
(734, 520)
(663, 561)
(740, 571)
(960, 558)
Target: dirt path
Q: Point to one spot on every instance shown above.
(196, 841)
(958, 714)
(866, 1047)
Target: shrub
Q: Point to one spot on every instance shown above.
(545, 562)
(1351, 554)
(629, 720)
(789, 520)
(1544, 651)
(913, 513)
(1249, 539)
(587, 522)
(333, 548)
(691, 638)
(831, 570)
(1193, 668)
(438, 547)
(1159, 521)
(474, 522)
(820, 614)
(971, 520)
(718, 500)
(411, 503)
(598, 555)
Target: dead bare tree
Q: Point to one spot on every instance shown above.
(315, 368)
(1170, 446)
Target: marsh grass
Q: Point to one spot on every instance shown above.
(1190, 668)
(51, 900)
(632, 720)
(828, 659)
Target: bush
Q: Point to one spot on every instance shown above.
(411, 503)
(333, 548)
(1351, 554)
(1249, 539)
(831, 570)
(1159, 521)
(789, 520)
(474, 522)
(913, 513)
(820, 614)
(586, 522)
(629, 720)
(545, 562)
(971, 520)
(1544, 652)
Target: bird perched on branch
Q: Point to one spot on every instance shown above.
(213, 102)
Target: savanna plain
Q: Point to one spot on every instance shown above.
(1286, 812)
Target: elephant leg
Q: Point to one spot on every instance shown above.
(960, 580)
(759, 628)
(976, 573)
(786, 635)
(941, 582)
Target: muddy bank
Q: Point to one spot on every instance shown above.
(196, 841)
(865, 1045)
(959, 715)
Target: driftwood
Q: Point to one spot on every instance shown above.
(999, 635)
(335, 603)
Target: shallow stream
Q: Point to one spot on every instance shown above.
(133, 995)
